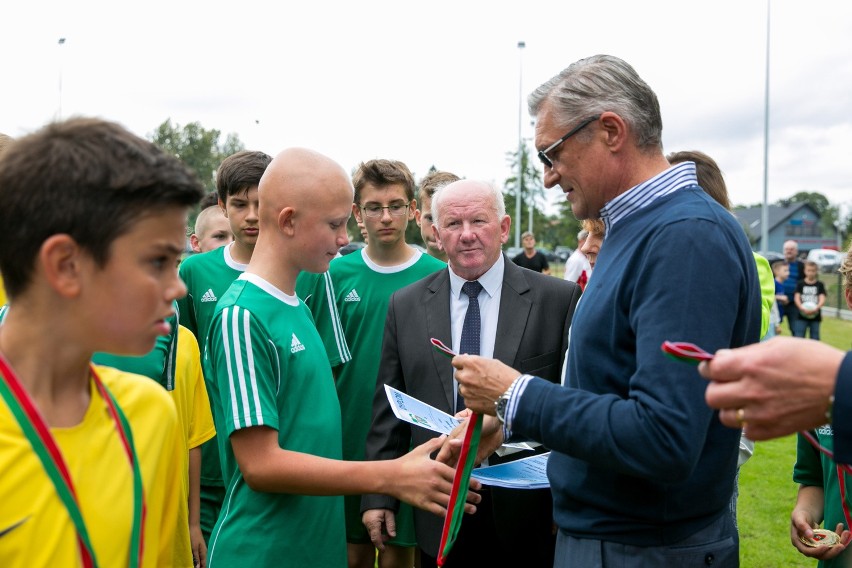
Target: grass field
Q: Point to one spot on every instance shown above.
(767, 491)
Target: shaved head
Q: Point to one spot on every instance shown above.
(298, 177)
(305, 202)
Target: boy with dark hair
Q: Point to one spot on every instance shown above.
(89, 455)
(359, 286)
(431, 183)
(273, 393)
(208, 275)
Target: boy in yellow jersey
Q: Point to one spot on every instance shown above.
(175, 362)
(89, 456)
(196, 421)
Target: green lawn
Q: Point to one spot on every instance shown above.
(767, 491)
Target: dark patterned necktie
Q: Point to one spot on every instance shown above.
(471, 328)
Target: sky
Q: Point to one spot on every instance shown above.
(440, 82)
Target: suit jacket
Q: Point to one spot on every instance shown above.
(532, 336)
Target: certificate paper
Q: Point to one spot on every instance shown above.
(409, 409)
(526, 473)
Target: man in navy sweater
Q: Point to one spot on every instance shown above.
(641, 469)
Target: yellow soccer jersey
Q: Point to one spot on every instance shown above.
(35, 528)
(195, 424)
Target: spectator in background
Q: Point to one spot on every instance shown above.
(809, 299)
(781, 272)
(431, 183)
(531, 258)
(595, 231)
(797, 272)
(577, 267)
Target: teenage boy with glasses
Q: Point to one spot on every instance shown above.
(359, 286)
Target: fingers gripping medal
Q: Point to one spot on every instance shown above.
(685, 352)
(822, 538)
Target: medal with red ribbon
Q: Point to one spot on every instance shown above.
(38, 434)
(461, 480)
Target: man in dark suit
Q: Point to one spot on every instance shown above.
(522, 318)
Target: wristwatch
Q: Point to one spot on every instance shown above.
(502, 403)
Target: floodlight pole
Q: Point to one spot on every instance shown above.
(521, 46)
(764, 213)
(61, 43)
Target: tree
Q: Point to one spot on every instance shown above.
(532, 188)
(197, 147)
(550, 230)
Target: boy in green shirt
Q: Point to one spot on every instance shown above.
(359, 286)
(207, 276)
(273, 394)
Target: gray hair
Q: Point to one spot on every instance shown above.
(496, 198)
(599, 84)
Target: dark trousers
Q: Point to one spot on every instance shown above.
(479, 543)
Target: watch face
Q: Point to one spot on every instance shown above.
(501, 409)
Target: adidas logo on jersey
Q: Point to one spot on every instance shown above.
(352, 296)
(296, 345)
(209, 296)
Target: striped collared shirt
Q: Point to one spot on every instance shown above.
(675, 178)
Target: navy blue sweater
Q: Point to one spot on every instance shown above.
(638, 456)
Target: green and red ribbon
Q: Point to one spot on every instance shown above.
(38, 434)
(461, 479)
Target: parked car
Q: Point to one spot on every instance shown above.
(563, 252)
(772, 256)
(549, 255)
(827, 259)
(512, 252)
(351, 247)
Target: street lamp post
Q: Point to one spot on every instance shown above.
(764, 212)
(61, 43)
(837, 227)
(521, 46)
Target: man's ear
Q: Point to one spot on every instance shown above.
(286, 221)
(223, 208)
(193, 241)
(62, 260)
(356, 212)
(615, 129)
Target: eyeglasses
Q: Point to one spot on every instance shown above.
(543, 154)
(396, 209)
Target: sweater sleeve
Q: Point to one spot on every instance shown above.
(842, 413)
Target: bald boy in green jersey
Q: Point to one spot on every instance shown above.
(275, 404)
(359, 286)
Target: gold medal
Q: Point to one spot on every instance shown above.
(822, 537)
